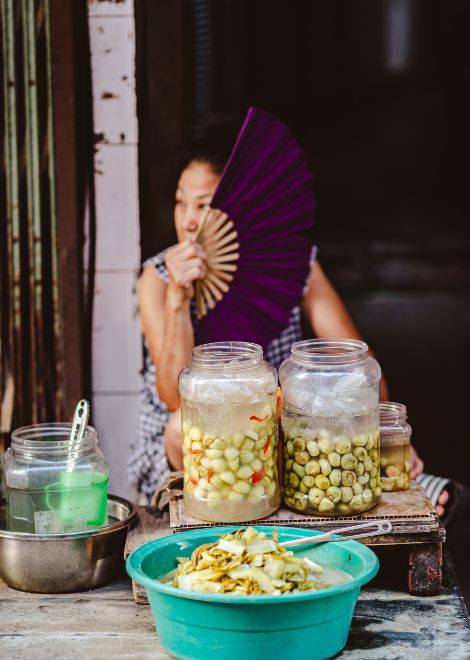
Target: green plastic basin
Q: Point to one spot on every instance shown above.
(309, 625)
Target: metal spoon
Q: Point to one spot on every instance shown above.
(378, 527)
(80, 420)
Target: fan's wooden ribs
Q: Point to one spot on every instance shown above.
(217, 235)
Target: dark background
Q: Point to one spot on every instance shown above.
(376, 92)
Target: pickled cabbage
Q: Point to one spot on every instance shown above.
(247, 562)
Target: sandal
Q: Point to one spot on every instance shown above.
(458, 495)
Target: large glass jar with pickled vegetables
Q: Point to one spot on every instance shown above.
(229, 429)
(395, 435)
(330, 425)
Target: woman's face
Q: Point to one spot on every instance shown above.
(195, 189)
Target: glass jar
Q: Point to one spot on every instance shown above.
(395, 436)
(53, 486)
(229, 425)
(330, 424)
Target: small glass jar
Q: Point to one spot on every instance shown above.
(229, 427)
(395, 435)
(330, 424)
(53, 486)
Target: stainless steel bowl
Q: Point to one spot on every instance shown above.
(60, 563)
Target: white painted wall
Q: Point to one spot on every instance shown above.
(116, 336)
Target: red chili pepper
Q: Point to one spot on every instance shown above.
(267, 444)
(210, 474)
(258, 476)
(196, 451)
(193, 481)
(258, 419)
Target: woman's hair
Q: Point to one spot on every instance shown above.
(210, 152)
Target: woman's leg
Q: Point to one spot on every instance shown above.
(172, 439)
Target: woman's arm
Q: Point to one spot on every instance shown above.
(165, 316)
(328, 315)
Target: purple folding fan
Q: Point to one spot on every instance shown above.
(257, 235)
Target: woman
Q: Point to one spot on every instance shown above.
(168, 322)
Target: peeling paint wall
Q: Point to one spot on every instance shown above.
(116, 337)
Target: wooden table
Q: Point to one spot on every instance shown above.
(107, 623)
(414, 524)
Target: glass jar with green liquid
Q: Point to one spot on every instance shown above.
(52, 485)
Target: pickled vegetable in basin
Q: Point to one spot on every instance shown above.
(308, 625)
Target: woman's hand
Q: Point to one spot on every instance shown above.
(416, 464)
(185, 262)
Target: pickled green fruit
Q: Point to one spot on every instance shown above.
(313, 448)
(348, 461)
(322, 481)
(333, 493)
(360, 453)
(301, 457)
(312, 467)
(325, 466)
(326, 505)
(299, 444)
(334, 459)
(315, 496)
(242, 487)
(392, 471)
(309, 481)
(294, 480)
(325, 445)
(348, 478)
(335, 477)
(299, 501)
(367, 495)
(342, 445)
(359, 469)
(357, 489)
(394, 465)
(299, 470)
(334, 470)
(402, 482)
(359, 440)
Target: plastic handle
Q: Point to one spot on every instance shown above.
(374, 528)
